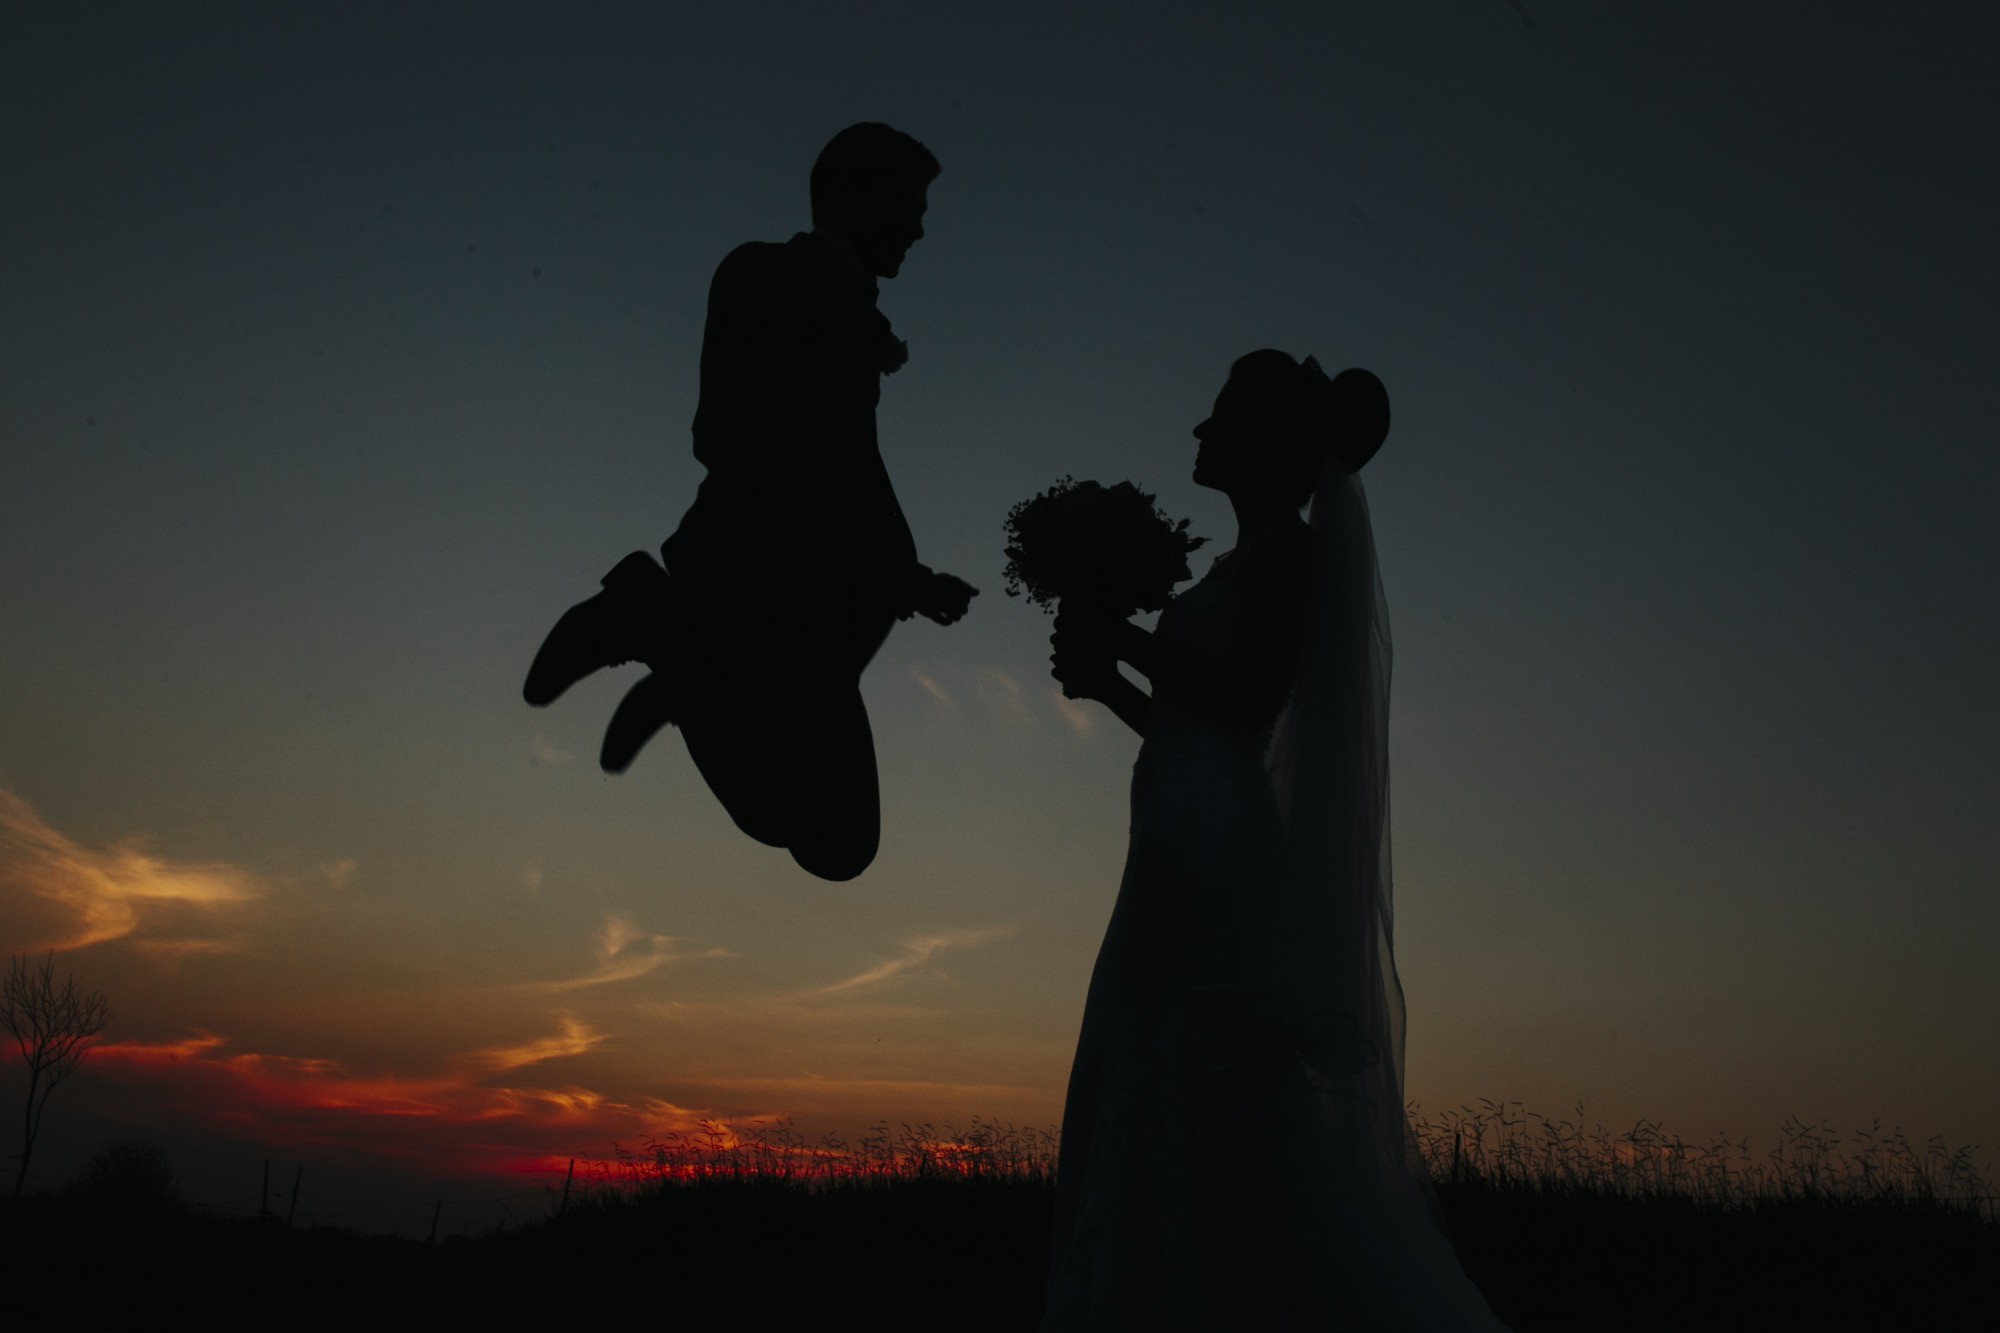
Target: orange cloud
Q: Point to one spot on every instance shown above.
(174, 948)
(916, 953)
(450, 1121)
(575, 1038)
(618, 960)
(158, 1052)
(1080, 718)
(930, 683)
(1004, 695)
(109, 894)
(541, 751)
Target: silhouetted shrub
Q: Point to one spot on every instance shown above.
(130, 1179)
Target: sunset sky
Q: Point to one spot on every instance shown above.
(343, 345)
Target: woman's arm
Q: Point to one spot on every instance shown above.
(1127, 702)
(1134, 647)
(1092, 637)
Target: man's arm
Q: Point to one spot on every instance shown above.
(750, 346)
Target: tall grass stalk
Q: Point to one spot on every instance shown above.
(775, 1153)
(1494, 1146)
(1504, 1145)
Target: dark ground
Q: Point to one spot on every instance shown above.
(945, 1255)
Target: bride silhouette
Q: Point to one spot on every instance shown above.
(1234, 1148)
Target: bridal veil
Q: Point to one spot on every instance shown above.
(1387, 1260)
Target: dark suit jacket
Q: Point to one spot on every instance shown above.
(791, 371)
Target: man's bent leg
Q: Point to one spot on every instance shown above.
(741, 727)
(774, 720)
(839, 817)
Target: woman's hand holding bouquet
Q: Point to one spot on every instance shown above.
(1105, 554)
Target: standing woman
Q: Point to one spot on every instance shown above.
(1234, 1148)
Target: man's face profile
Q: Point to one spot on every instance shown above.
(882, 218)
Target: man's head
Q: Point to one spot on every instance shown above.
(870, 187)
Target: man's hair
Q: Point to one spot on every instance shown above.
(864, 153)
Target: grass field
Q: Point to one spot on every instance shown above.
(1564, 1227)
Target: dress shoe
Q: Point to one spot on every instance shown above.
(600, 631)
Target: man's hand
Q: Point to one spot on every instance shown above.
(943, 598)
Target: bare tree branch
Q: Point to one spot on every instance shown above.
(52, 1026)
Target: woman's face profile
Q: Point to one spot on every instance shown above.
(1223, 455)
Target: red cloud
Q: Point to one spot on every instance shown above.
(451, 1123)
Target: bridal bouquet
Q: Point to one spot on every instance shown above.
(1106, 549)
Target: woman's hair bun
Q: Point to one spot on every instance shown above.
(1306, 418)
(1357, 417)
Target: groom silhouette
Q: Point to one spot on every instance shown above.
(794, 561)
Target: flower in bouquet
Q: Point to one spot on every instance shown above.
(1105, 548)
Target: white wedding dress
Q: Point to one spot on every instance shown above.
(1234, 1150)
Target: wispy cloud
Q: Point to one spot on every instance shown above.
(340, 1087)
(339, 872)
(174, 949)
(625, 952)
(930, 682)
(575, 1038)
(1003, 694)
(542, 751)
(109, 894)
(154, 1052)
(1082, 720)
(916, 953)
(995, 692)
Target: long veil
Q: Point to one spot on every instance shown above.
(1329, 770)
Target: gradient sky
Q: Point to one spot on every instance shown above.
(344, 345)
